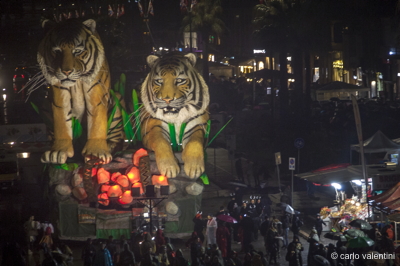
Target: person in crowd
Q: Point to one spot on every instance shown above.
(273, 243)
(136, 238)
(67, 253)
(296, 224)
(259, 206)
(148, 245)
(88, 253)
(247, 227)
(331, 250)
(216, 252)
(256, 260)
(221, 211)
(179, 259)
(247, 259)
(318, 225)
(244, 208)
(211, 230)
(256, 222)
(239, 195)
(112, 248)
(199, 225)
(341, 249)
(231, 204)
(263, 258)
(103, 257)
(194, 244)
(170, 254)
(235, 258)
(313, 239)
(222, 238)
(285, 228)
(163, 257)
(321, 251)
(293, 255)
(31, 230)
(159, 240)
(126, 257)
(48, 230)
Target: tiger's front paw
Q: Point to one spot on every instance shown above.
(60, 151)
(168, 166)
(97, 148)
(194, 162)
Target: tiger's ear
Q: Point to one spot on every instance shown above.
(192, 58)
(151, 60)
(91, 24)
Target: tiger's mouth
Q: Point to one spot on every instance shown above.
(170, 110)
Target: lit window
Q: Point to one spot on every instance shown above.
(260, 65)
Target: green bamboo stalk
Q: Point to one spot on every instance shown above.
(125, 118)
(181, 133)
(209, 143)
(34, 106)
(204, 178)
(76, 128)
(172, 135)
(110, 118)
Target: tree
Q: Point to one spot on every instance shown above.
(205, 18)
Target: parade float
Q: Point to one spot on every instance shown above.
(159, 178)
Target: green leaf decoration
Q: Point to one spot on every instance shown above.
(209, 143)
(110, 118)
(204, 178)
(34, 106)
(172, 136)
(66, 166)
(136, 107)
(207, 134)
(125, 118)
(181, 133)
(116, 86)
(76, 128)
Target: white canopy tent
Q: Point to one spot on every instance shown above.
(377, 143)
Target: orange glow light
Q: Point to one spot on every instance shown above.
(134, 175)
(103, 199)
(103, 176)
(105, 188)
(126, 198)
(138, 154)
(114, 191)
(115, 175)
(159, 180)
(123, 181)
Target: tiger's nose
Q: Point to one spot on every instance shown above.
(167, 100)
(67, 72)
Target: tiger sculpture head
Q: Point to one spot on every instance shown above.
(67, 53)
(173, 90)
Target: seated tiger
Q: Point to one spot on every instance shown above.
(72, 60)
(174, 92)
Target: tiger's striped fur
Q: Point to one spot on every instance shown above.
(174, 92)
(72, 60)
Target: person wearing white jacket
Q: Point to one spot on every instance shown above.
(211, 230)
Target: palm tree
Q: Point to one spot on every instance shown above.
(205, 18)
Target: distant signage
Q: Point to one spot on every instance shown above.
(299, 143)
(292, 163)
(382, 182)
(255, 51)
(278, 159)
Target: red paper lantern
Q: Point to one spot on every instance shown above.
(126, 198)
(103, 199)
(105, 188)
(114, 191)
(114, 176)
(103, 176)
(134, 175)
(123, 181)
(138, 154)
(159, 180)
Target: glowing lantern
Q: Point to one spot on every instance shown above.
(123, 181)
(103, 176)
(139, 185)
(133, 175)
(159, 180)
(114, 191)
(94, 171)
(126, 198)
(103, 199)
(138, 154)
(115, 175)
(105, 188)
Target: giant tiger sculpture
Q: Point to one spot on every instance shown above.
(175, 93)
(72, 60)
